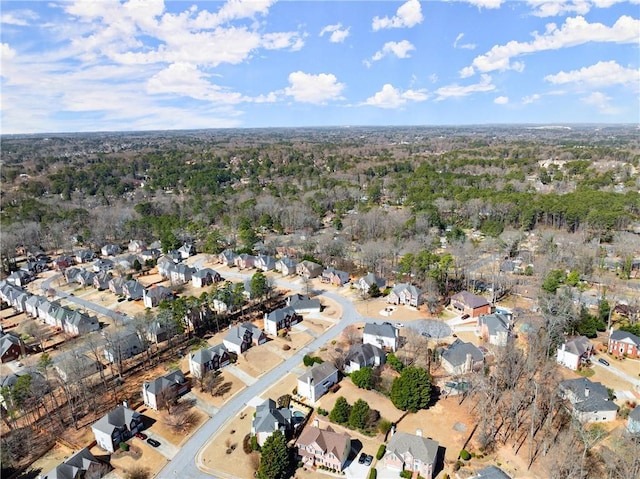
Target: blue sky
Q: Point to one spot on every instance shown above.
(153, 64)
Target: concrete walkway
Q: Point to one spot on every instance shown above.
(240, 374)
(203, 405)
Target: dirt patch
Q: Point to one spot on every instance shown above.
(257, 361)
(332, 309)
(147, 458)
(233, 386)
(375, 308)
(161, 428)
(51, 459)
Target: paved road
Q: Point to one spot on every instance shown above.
(188, 461)
(635, 381)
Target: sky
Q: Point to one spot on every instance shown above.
(99, 65)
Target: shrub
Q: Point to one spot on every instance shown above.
(457, 466)
(381, 451)
(323, 412)
(464, 455)
(384, 426)
(123, 446)
(406, 474)
(311, 360)
(373, 474)
(246, 444)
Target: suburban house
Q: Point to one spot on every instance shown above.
(364, 283)
(286, 266)
(333, 276)
(384, 336)
(46, 311)
(31, 306)
(405, 293)
(265, 263)
(471, 304)
(116, 284)
(76, 366)
(362, 356)
(136, 246)
(208, 359)
(323, 447)
(152, 297)
(308, 269)
(19, 278)
(34, 266)
(110, 250)
(133, 290)
(71, 274)
(181, 273)
(62, 262)
(461, 358)
(317, 380)
(494, 328)
(303, 304)
(205, 277)
(240, 338)
(571, 354)
(270, 418)
(157, 332)
(589, 400)
(633, 421)
(165, 267)
(123, 346)
(78, 466)
(101, 280)
(623, 344)
(173, 255)
(102, 264)
(84, 256)
(187, 250)
(85, 278)
(77, 323)
(412, 453)
(491, 472)
(151, 254)
(245, 261)
(227, 258)
(11, 347)
(165, 388)
(116, 426)
(281, 318)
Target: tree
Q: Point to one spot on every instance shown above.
(358, 414)
(363, 378)
(411, 391)
(341, 411)
(374, 291)
(553, 280)
(258, 285)
(275, 460)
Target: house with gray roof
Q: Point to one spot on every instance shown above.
(365, 282)
(101, 280)
(303, 304)
(334, 276)
(227, 257)
(181, 273)
(286, 266)
(589, 400)
(102, 264)
(574, 352)
(281, 318)
(204, 277)
(633, 421)
(152, 297)
(31, 306)
(187, 250)
(208, 359)
(308, 269)
(79, 465)
(491, 472)
(116, 426)
(123, 345)
(384, 335)
(110, 250)
(624, 344)
(317, 380)
(461, 358)
(265, 262)
(165, 388)
(411, 452)
(75, 366)
(270, 418)
(77, 323)
(494, 328)
(133, 290)
(363, 356)
(19, 278)
(116, 284)
(405, 293)
(84, 256)
(242, 337)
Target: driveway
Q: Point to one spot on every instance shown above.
(356, 471)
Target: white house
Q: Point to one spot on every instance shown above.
(165, 388)
(303, 304)
(270, 418)
(282, 318)
(314, 383)
(115, 427)
(362, 356)
(383, 335)
(572, 353)
(589, 400)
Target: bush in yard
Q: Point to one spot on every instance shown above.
(138, 472)
(311, 360)
(381, 451)
(384, 426)
(412, 390)
(464, 455)
(363, 378)
(341, 411)
(373, 473)
(123, 446)
(358, 414)
(406, 474)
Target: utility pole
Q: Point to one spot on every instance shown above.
(533, 420)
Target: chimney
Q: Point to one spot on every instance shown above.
(468, 363)
(586, 392)
(125, 403)
(419, 432)
(316, 423)
(563, 346)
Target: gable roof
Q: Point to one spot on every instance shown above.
(120, 416)
(204, 355)
(7, 341)
(318, 373)
(456, 353)
(578, 346)
(385, 330)
(496, 322)
(619, 335)
(363, 353)
(302, 301)
(268, 417)
(279, 314)
(491, 472)
(327, 440)
(399, 288)
(635, 414)
(158, 385)
(371, 278)
(420, 447)
(470, 299)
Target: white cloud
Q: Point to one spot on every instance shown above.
(601, 102)
(464, 46)
(338, 34)
(316, 89)
(18, 18)
(433, 78)
(501, 100)
(408, 15)
(598, 75)
(553, 8)
(458, 91)
(485, 3)
(391, 97)
(526, 100)
(575, 31)
(467, 72)
(399, 49)
(6, 52)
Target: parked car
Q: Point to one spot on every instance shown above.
(153, 442)
(425, 334)
(603, 361)
(368, 460)
(464, 316)
(140, 435)
(362, 458)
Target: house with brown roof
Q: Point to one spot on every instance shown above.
(308, 269)
(471, 304)
(324, 447)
